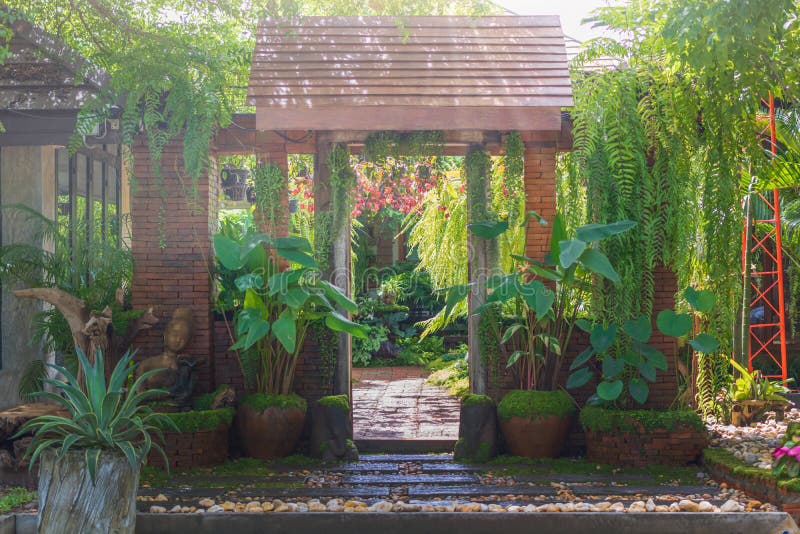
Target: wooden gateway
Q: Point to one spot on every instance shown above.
(316, 82)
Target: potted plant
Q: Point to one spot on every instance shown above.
(624, 362)
(89, 462)
(270, 326)
(753, 394)
(541, 302)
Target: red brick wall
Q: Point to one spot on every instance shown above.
(540, 193)
(179, 274)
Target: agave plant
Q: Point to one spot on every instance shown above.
(103, 417)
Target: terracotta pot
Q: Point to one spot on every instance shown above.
(272, 433)
(537, 438)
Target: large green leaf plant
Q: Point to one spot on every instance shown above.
(622, 359)
(280, 304)
(541, 300)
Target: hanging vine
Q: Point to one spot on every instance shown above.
(270, 187)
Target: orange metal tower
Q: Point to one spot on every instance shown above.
(767, 343)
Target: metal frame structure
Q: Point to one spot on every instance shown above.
(767, 339)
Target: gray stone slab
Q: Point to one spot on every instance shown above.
(411, 479)
(478, 490)
(467, 523)
(570, 478)
(442, 467)
(384, 467)
(405, 457)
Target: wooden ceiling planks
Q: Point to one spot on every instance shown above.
(446, 72)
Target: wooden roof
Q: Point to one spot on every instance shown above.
(385, 73)
(42, 73)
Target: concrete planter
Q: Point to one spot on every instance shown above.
(536, 438)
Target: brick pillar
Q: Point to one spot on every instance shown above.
(664, 390)
(173, 259)
(540, 194)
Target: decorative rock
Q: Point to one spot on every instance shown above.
(637, 507)
(215, 509)
(686, 505)
(228, 506)
(382, 506)
(316, 507)
(253, 506)
(705, 506)
(650, 505)
(160, 498)
(267, 507)
(207, 503)
(617, 507)
(731, 506)
(175, 509)
(158, 510)
(283, 507)
(674, 507)
(496, 508)
(468, 507)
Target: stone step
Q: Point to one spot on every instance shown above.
(579, 478)
(394, 480)
(305, 492)
(405, 446)
(398, 458)
(383, 467)
(455, 491)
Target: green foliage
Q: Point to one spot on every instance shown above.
(270, 189)
(386, 144)
(721, 457)
(204, 402)
(530, 404)
(278, 306)
(755, 386)
(599, 419)
(453, 375)
(102, 417)
(13, 498)
(365, 348)
(341, 402)
(92, 271)
(261, 401)
(195, 420)
(627, 362)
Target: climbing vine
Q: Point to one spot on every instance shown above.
(270, 187)
(389, 144)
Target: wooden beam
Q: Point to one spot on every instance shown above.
(409, 118)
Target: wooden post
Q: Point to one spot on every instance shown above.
(337, 270)
(482, 257)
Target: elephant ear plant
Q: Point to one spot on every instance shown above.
(624, 360)
(279, 305)
(107, 434)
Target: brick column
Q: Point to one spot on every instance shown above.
(540, 194)
(172, 251)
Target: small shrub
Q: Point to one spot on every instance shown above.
(607, 420)
(365, 349)
(195, 420)
(338, 401)
(261, 401)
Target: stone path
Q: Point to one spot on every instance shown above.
(434, 482)
(395, 403)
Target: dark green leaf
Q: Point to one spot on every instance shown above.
(227, 251)
(249, 281)
(293, 242)
(532, 215)
(339, 323)
(701, 301)
(640, 329)
(597, 262)
(510, 332)
(582, 358)
(336, 295)
(704, 343)
(579, 378)
(612, 366)
(639, 390)
(455, 295)
(595, 232)
(488, 229)
(256, 330)
(585, 325)
(514, 358)
(654, 356)
(674, 324)
(647, 370)
(558, 234)
(570, 251)
(602, 338)
(296, 297)
(297, 256)
(609, 391)
(285, 330)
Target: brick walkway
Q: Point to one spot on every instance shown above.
(396, 403)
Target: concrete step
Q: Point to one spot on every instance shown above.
(395, 480)
(405, 446)
(399, 458)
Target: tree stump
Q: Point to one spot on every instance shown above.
(69, 502)
(477, 430)
(331, 437)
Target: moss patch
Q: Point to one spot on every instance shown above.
(203, 402)
(533, 404)
(195, 420)
(13, 498)
(606, 420)
(725, 458)
(336, 401)
(261, 401)
(475, 400)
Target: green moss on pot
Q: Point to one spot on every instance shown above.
(261, 401)
(195, 420)
(474, 400)
(203, 402)
(531, 404)
(607, 420)
(336, 401)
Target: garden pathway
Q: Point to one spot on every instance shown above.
(396, 403)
